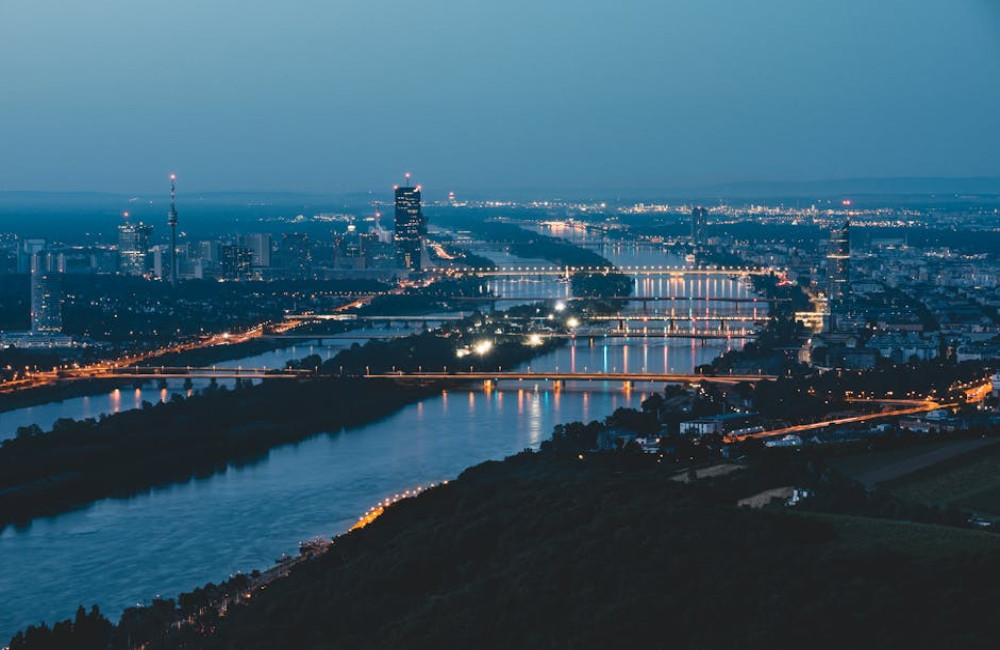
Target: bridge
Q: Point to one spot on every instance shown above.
(337, 337)
(644, 317)
(737, 301)
(644, 333)
(184, 372)
(569, 271)
(559, 377)
(680, 318)
(362, 317)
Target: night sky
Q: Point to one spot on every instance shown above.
(343, 95)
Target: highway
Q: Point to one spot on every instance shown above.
(921, 407)
(974, 392)
(100, 369)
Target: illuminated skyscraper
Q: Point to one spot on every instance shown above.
(237, 262)
(260, 244)
(699, 216)
(411, 227)
(295, 253)
(133, 246)
(46, 298)
(838, 262)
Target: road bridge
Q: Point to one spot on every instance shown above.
(184, 372)
(362, 317)
(559, 377)
(569, 271)
(337, 337)
(737, 301)
(645, 317)
(645, 333)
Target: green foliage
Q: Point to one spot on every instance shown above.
(601, 285)
(88, 631)
(79, 461)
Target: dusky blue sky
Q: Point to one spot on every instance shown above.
(339, 95)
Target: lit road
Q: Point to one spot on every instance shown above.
(922, 407)
(974, 392)
(102, 370)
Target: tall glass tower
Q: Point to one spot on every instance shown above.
(133, 247)
(46, 298)
(838, 262)
(411, 227)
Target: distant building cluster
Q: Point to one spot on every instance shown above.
(879, 299)
(363, 248)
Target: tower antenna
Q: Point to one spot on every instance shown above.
(172, 222)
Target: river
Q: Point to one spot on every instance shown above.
(120, 552)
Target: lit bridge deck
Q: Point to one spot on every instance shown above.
(165, 372)
(557, 376)
(737, 301)
(630, 316)
(567, 271)
(645, 333)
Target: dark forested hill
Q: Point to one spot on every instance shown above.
(542, 551)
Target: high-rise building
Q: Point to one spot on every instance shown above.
(260, 244)
(133, 247)
(838, 262)
(237, 262)
(411, 227)
(46, 298)
(296, 255)
(26, 252)
(699, 217)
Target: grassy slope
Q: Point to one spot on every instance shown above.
(922, 542)
(872, 468)
(971, 480)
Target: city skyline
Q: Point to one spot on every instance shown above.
(659, 275)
